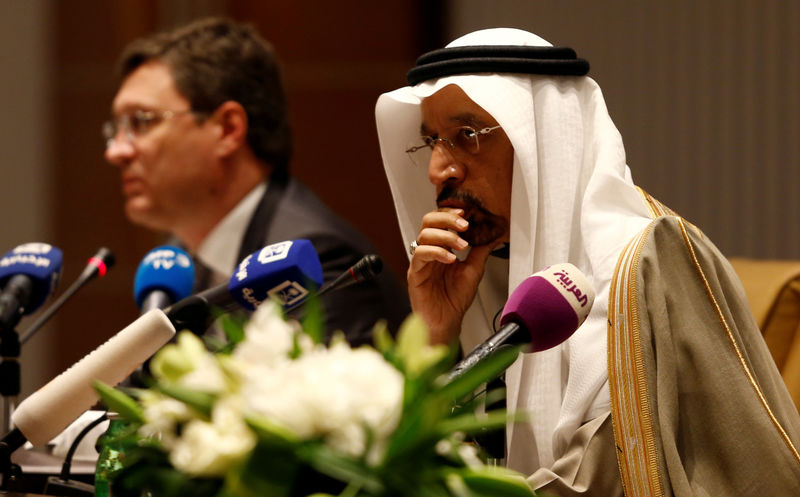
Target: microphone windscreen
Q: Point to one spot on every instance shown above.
(103, 260)
(40, 262)
(288, 271)
(166, 268)
(53, 407)
(550, 304)
(370, 266)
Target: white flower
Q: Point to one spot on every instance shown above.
(207, 376)
(336, 393)
(163, 415)
(189, 364)
(268, 338)
(211, 449)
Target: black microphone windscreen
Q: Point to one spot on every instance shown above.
(106, 256)
(367, 267)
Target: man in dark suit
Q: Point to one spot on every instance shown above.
(201, 137)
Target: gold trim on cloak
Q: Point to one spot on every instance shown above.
(636, 445)
(732, 339)
(633, 430)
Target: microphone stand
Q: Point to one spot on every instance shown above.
(494, 442)
(97, 266)
(10, 473)
(9, 372)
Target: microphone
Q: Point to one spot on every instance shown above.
(286, 271)
(29, 274)
(97, 266)
(165, 276)
(543, 311)
(48, 411)
(367, 268)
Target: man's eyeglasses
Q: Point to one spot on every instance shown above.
(136, 123)
(460, 140)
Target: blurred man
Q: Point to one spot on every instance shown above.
(200, 134)
(504, 147)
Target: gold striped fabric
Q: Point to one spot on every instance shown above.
(633, 433)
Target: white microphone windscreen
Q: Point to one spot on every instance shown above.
(53, 407)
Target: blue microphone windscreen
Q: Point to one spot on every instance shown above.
(41, 262)
(165, 268)
(288, 271)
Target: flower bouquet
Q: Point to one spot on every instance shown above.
(278, 413)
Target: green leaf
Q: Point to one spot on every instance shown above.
(381, 337)
(457, 486)
(489, 368)
(479, 400)
(339, 467)
(255, 484)
(493, 480)
(202, 402)
(470, 423)
(314, 319)
(119, 402)
(413, 346)
(268, 471)
(147, 469)
(175, 360)
(416, 433)
(271, 432)
(233, 327)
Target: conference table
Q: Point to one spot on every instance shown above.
(38, 464)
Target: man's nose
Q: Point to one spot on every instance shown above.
(443, 166)
(119, 149)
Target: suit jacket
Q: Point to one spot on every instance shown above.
(289, 210)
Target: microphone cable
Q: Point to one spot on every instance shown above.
(67, 466)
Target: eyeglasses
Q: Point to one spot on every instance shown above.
(137, 123)
(460, 140)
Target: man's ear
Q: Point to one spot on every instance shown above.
(230, 119)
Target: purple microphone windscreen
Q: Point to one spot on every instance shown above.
(550, 304)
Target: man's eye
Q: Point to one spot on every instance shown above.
(467, 133)
(139, 122)
(466, 138)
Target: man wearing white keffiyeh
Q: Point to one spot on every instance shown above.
(522, 154)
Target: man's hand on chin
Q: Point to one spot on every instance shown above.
(441, 288)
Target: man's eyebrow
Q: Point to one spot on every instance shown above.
(131, 107)
(465, 119)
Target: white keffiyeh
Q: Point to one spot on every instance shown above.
(572, 200)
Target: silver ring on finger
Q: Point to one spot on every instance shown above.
(412, 247)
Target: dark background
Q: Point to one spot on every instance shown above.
(337, 58)
(706, 96)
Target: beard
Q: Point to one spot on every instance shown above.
(485, 227)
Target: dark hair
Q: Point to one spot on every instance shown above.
(215, 60)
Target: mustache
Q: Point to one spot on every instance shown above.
(466, 198)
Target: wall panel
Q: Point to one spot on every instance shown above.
(705, 95)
